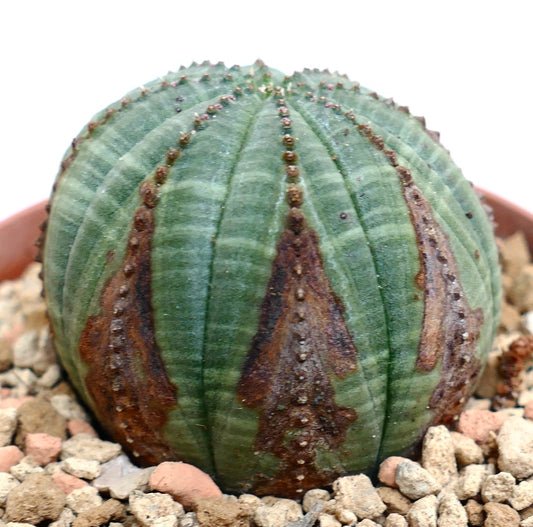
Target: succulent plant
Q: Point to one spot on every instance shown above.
(279, 279)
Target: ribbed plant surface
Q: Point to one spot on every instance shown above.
(279, 279)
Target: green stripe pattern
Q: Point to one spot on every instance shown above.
(218, 219)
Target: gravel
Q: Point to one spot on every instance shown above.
(55, 469)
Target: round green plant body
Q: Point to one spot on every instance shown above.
(279, 279)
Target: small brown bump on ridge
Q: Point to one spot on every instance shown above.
(288, 141)
(290, 157)
(294, 196)
(109, 113)
(161, 173)
(148, 191)
(184, 139)
(295, 220)
(292, 171)
(141, 220)
(92, 126)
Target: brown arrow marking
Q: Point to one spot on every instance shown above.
(302, 342)
(127, 378)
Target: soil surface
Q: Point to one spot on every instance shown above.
(55, 468)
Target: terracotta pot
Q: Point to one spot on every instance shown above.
(17, 240)
(19, 232)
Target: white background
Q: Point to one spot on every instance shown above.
(465, 65)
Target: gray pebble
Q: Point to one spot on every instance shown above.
(414, 481)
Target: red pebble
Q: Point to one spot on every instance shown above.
(44, 448)
(387, 470)
(184, 482)
(478, 424)
(15, 402)
(68, 483)
(9, 457)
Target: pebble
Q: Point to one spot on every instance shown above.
(84, 499)
(438, 454)
(82, 468)
(101, 515)
(46, 503)
(7, 484)
(451, 513)
(86, 446)
(467, 451)
(521, 291)
(217, 512)
(387, 470)
(515, 445)
(279, 514)
(498, 487)
(120, 477)
(14, 402)
(44, 448)
(183, 482)
(414, 481)
(480, 425)
(471, 479)
(67, 483)
(522, 495)
(500, 515)
(65, 519)
(395, 520)
(423, 512)
(528, 522)
(37, 415)
(476, 514)
(394, 500)
(528, 321)
(50, 377)
(25, 349)
(357, 494)
(68, 408)
(8, 425)
(26, 467)
(314, 497)
(346, 517)
(9, 456)
(326, 520)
